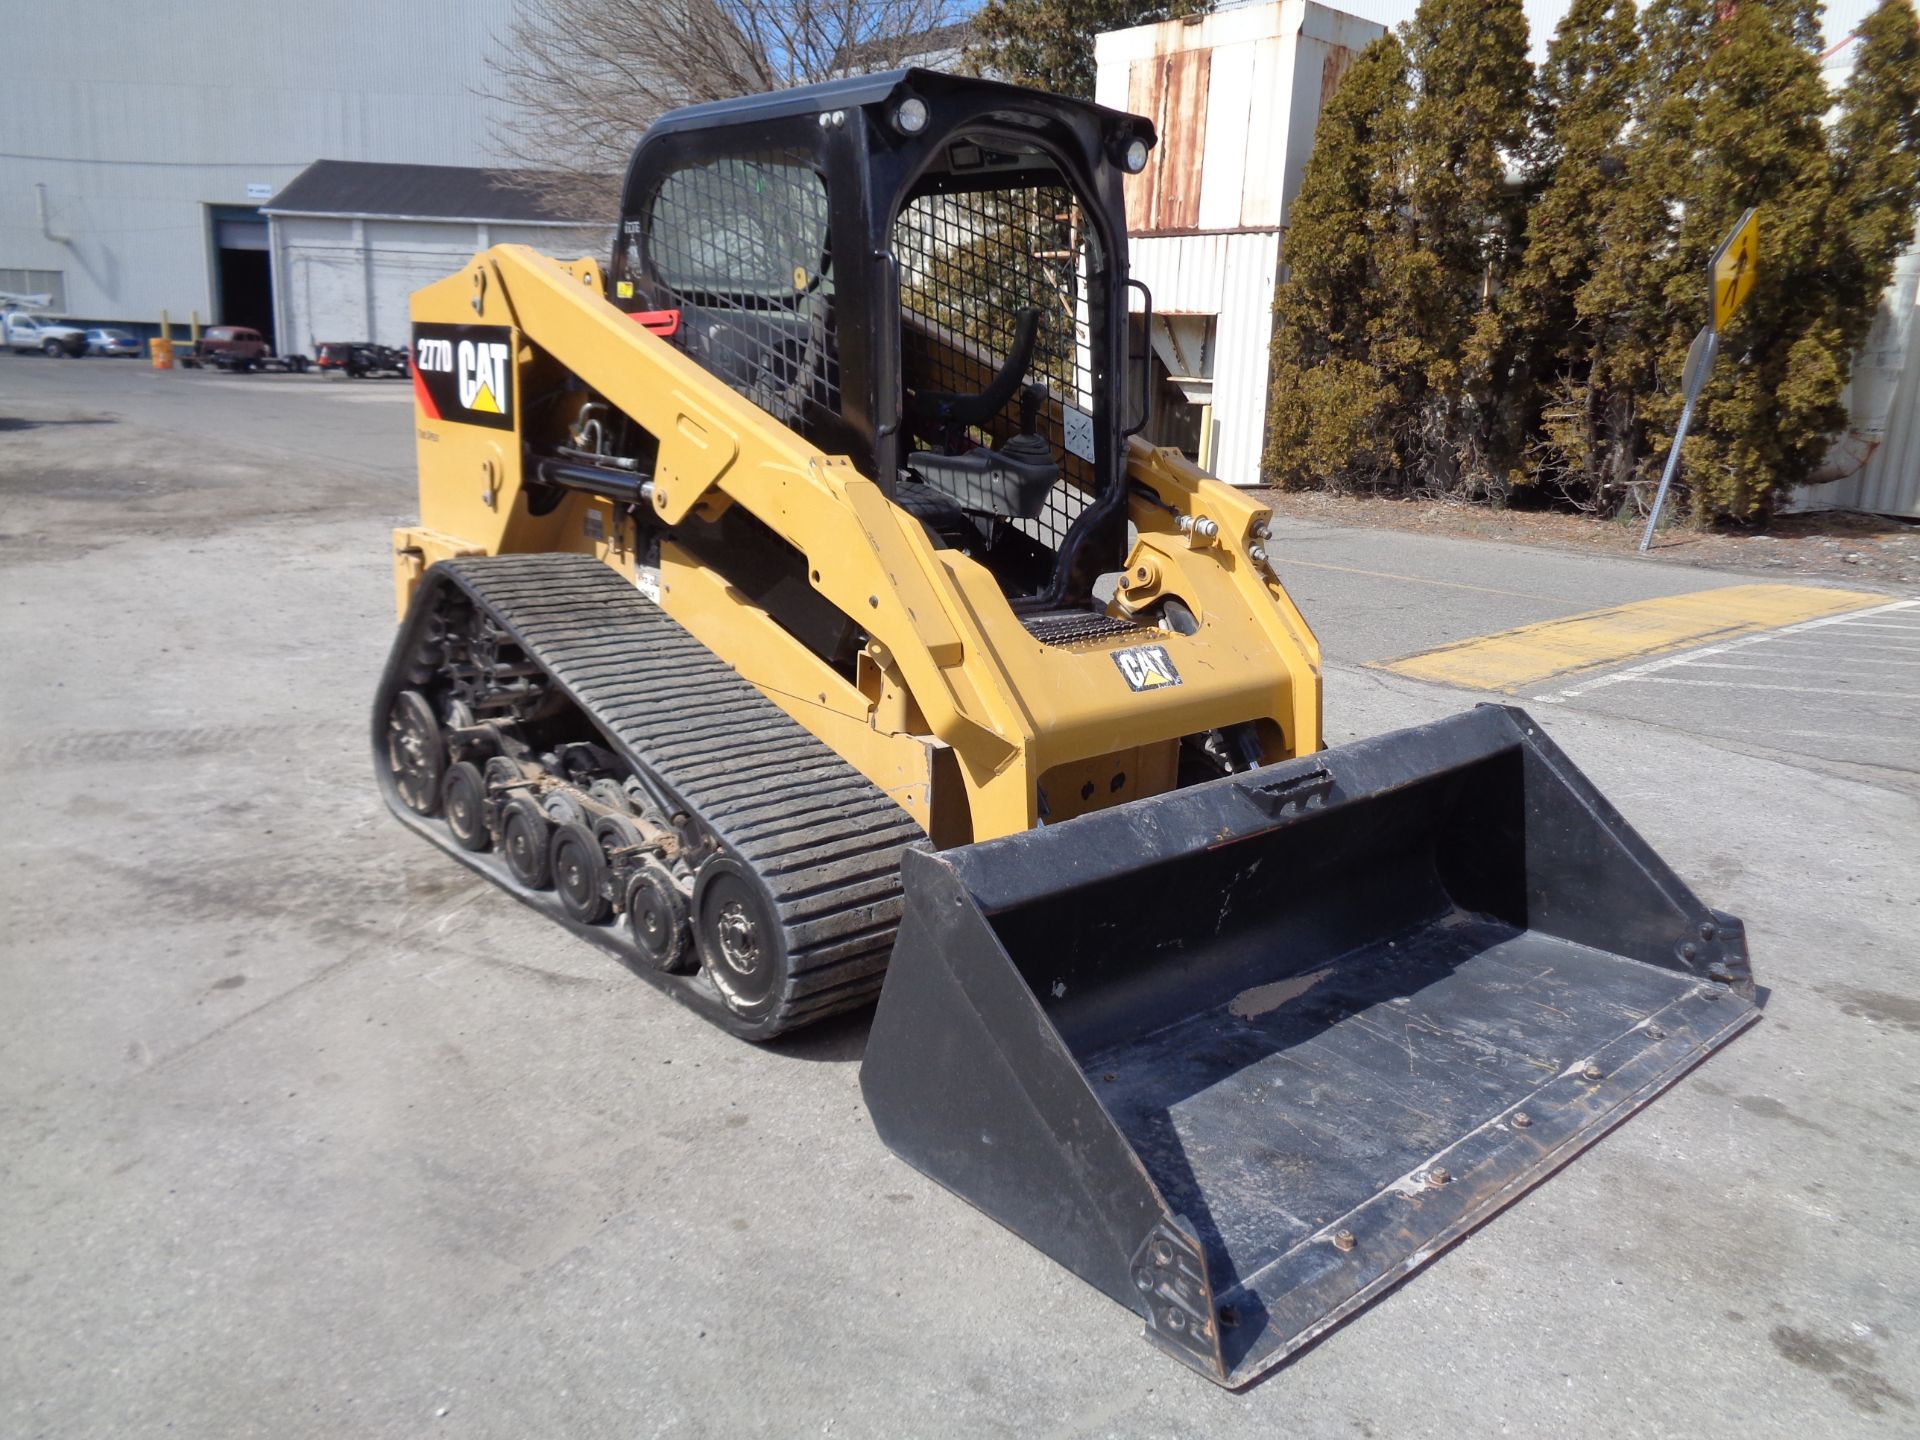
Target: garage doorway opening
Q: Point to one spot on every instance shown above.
(242, 270)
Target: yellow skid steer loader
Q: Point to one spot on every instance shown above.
(795, 612)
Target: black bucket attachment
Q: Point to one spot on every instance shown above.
(1246, 1055)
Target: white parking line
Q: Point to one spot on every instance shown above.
(1646, 671)
(1841, 645)
(1791, 689)
(1774, 666)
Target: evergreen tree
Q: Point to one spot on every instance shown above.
(1582, 104)
(1876, 145)
(1622, 307)
(1331, 401)
(1647, 139)
(1775, 398)
(1464, 220)
(1049, 43)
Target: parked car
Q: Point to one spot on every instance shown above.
(24, 332)
(355, 358)
(108, 341)
(235, 347)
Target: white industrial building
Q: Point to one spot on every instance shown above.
(349, 242)
(1235, 97)
(137, 142)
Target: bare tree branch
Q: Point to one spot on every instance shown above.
(586, 77)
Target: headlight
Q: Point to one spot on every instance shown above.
(910, 115)
(1136, 157)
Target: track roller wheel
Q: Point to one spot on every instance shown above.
(526, 836)
(740, 939)
(580, 873)
(501, 772)
(657, 919)
(562, 808)
(416, 751)
(619, 837)
(609, 794)
(463, 797)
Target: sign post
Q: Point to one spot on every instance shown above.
(1730, 277)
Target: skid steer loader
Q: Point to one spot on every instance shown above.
(795, 612)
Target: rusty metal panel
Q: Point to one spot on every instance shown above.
(1333, 68)
(1235, 97)
(1146, 82)
(1321, 53)
(1183, 131)
(1171, 90)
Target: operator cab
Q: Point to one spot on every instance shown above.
(926, 273)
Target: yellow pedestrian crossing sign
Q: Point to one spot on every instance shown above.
(1736, 265)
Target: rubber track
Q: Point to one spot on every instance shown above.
(824, 840)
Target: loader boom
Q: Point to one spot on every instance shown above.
(949, 672)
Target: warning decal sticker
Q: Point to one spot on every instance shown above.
(464, 373)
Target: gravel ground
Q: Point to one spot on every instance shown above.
(1855, 549)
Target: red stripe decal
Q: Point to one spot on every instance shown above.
(420, 395)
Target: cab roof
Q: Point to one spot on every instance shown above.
(861, 91)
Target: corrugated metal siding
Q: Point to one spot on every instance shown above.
(1231, 277)
(137, 117)
(1889, 483)
(1884, 403)
(352, 279)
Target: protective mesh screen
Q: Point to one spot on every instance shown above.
(970, 263)
(739, 245)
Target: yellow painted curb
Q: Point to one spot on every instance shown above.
(1512, 660)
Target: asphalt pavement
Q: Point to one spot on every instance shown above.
(306, 1131)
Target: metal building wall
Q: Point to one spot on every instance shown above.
(1883, 400)
(131, 120)
(351, 279)
(1229, 276)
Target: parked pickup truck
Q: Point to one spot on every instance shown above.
(24, 332)
(235, 347)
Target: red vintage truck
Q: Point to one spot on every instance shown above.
(236, 347)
